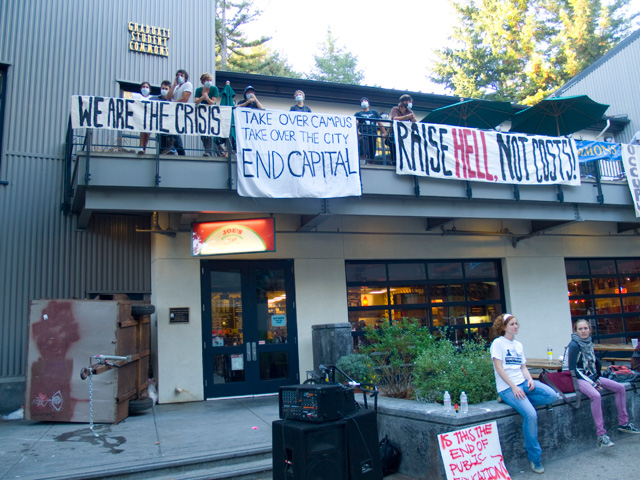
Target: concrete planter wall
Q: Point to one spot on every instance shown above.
(413, 426)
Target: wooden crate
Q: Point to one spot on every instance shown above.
(63, 337)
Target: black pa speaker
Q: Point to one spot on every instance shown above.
(309, 451)
(363, 447)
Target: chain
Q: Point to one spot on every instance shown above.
(91, 402)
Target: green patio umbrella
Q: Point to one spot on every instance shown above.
(558, 116)
(472, 113)
(227, 99)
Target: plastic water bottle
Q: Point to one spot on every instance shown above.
(464, 403)
(447, 402)
(550, 354)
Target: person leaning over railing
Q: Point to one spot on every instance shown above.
(250, 99)
(515, 385)
(181, 91)
(207, 95)
(145, 90)
(584, 363)
(402, 113)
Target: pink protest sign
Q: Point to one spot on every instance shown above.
(473, 453)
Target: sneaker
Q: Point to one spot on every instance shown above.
(140, 152)
(605, 441)
(629, 428)
(537, 467)
(165, 152)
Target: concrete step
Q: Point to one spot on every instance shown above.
(250, 464)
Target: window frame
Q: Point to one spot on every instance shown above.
(427, 283)
(592, 297)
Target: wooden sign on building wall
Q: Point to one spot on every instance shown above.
(149, 39)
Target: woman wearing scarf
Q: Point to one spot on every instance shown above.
(586, 366)
(515, 385)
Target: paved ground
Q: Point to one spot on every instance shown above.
(32, 450)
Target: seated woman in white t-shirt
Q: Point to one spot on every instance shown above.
(515, 385)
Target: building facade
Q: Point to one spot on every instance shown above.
(85, 215)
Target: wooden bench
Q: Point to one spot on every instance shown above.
(613, 360)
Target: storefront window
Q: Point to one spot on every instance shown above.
(607, 293)
(464, 296)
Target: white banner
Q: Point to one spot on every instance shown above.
(630, 154)
(296, 154)
(473, 453)
(169, 118)
(458, 153)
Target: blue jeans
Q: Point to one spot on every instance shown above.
(540, 395)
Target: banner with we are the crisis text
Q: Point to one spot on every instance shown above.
(459, 153)
(296, 154)
(169, 118)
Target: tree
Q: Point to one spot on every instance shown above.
(230, 40)
(522, 50)
(262, 60)
(234, 52)
(334, 64)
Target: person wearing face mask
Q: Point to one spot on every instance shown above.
(165, 141)
(207, 95)
(250, 99)
(585, 365)
(145, 90)
(180, 91)
(368, 130)
(403, 111)
(299, 106)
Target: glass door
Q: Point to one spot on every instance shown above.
(249, 327)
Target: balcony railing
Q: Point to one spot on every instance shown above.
(375, 144)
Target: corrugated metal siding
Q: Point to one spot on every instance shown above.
(616, 83)
(43, 255)
(81, 47)
(56, 49)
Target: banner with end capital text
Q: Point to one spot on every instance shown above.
(458, 153)
(169, 118)
(630, 157)
(296, 154)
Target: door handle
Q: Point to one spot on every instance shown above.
(255, 356)
(248, 351)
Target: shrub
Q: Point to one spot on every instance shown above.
(443, 367)
(357, 366)
(393, 349)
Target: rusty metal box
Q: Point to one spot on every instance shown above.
(63, 337)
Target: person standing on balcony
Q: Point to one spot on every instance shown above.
(368, 130)
(145, 90)
(299, 106)
(180, 91)
(166, 143)
(207, 95)
(515, 385)
(250, 99)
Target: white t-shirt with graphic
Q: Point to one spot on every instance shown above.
(512, 355)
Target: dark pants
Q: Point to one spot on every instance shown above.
(177, 144)
(207, 142)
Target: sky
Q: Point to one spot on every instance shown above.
(392, 39)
